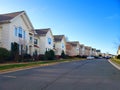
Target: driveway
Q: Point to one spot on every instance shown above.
(78, 75)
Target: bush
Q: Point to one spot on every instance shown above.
(25, 58)
(63, 55)
(118, 57)
(4, 54)
(41, 57)
(15, 51)
(50, 55)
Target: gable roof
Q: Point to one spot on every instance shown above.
(5, 18)
(42, 32)
(58, 38)
(73, 43)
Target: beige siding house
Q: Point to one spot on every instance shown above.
(59, 44)
(87, 51)
(82, 50)
(72, 48)
(45, 40)
(118, 52)
(36, 44)
(98, 52)
(16, 27)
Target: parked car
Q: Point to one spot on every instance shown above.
(107, 57)
(90, 57)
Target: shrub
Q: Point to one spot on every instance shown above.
(25, 58)
(41, 57)
(63, 55)
(4, 54)
(50, 55)
(15, 51)
(118, 57)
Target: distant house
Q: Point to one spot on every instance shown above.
(118, 52)
(16, 27)
(88, 51)
(45, 40)
(93, 52)
(72, 48)
(59, 44)
(82, 50)
(98, 52)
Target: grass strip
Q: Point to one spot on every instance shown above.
(115, 60)
(19, 65)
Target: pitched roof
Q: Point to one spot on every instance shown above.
(73, 43)
(7, 17)
(58, 38)
(98, 51)
(42, 32)
(81, 45)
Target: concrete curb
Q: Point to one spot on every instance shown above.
(114, 64)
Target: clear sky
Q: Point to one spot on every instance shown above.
(94, 23)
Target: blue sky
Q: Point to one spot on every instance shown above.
(94, 23)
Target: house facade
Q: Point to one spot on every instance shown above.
(82, 50)
(88, 51)
(118, 52)
(98, 52)
(59, 44)
(72, 48)
(45, 40)
(93, 52)
(36, 44)
(16, 27)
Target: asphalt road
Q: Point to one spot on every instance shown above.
(77, 75)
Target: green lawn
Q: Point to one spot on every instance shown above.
(116, 60)
(28, 64)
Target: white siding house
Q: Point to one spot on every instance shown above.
(59, 44)
(45, 40)
(16, 27)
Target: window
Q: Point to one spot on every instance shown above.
(24, 34)
(20, 32)
(16, 31)
(49, 40)
(30, 39)
(77, 49)
(54, 46)
(62, 45)
(35, 41)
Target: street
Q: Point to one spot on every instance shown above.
(96, 74)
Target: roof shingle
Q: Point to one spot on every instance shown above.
(7, 17)
(58, 38)
(42, 32)
(74, 43)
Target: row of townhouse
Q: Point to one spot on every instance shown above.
(74, 48)
(16, 27)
